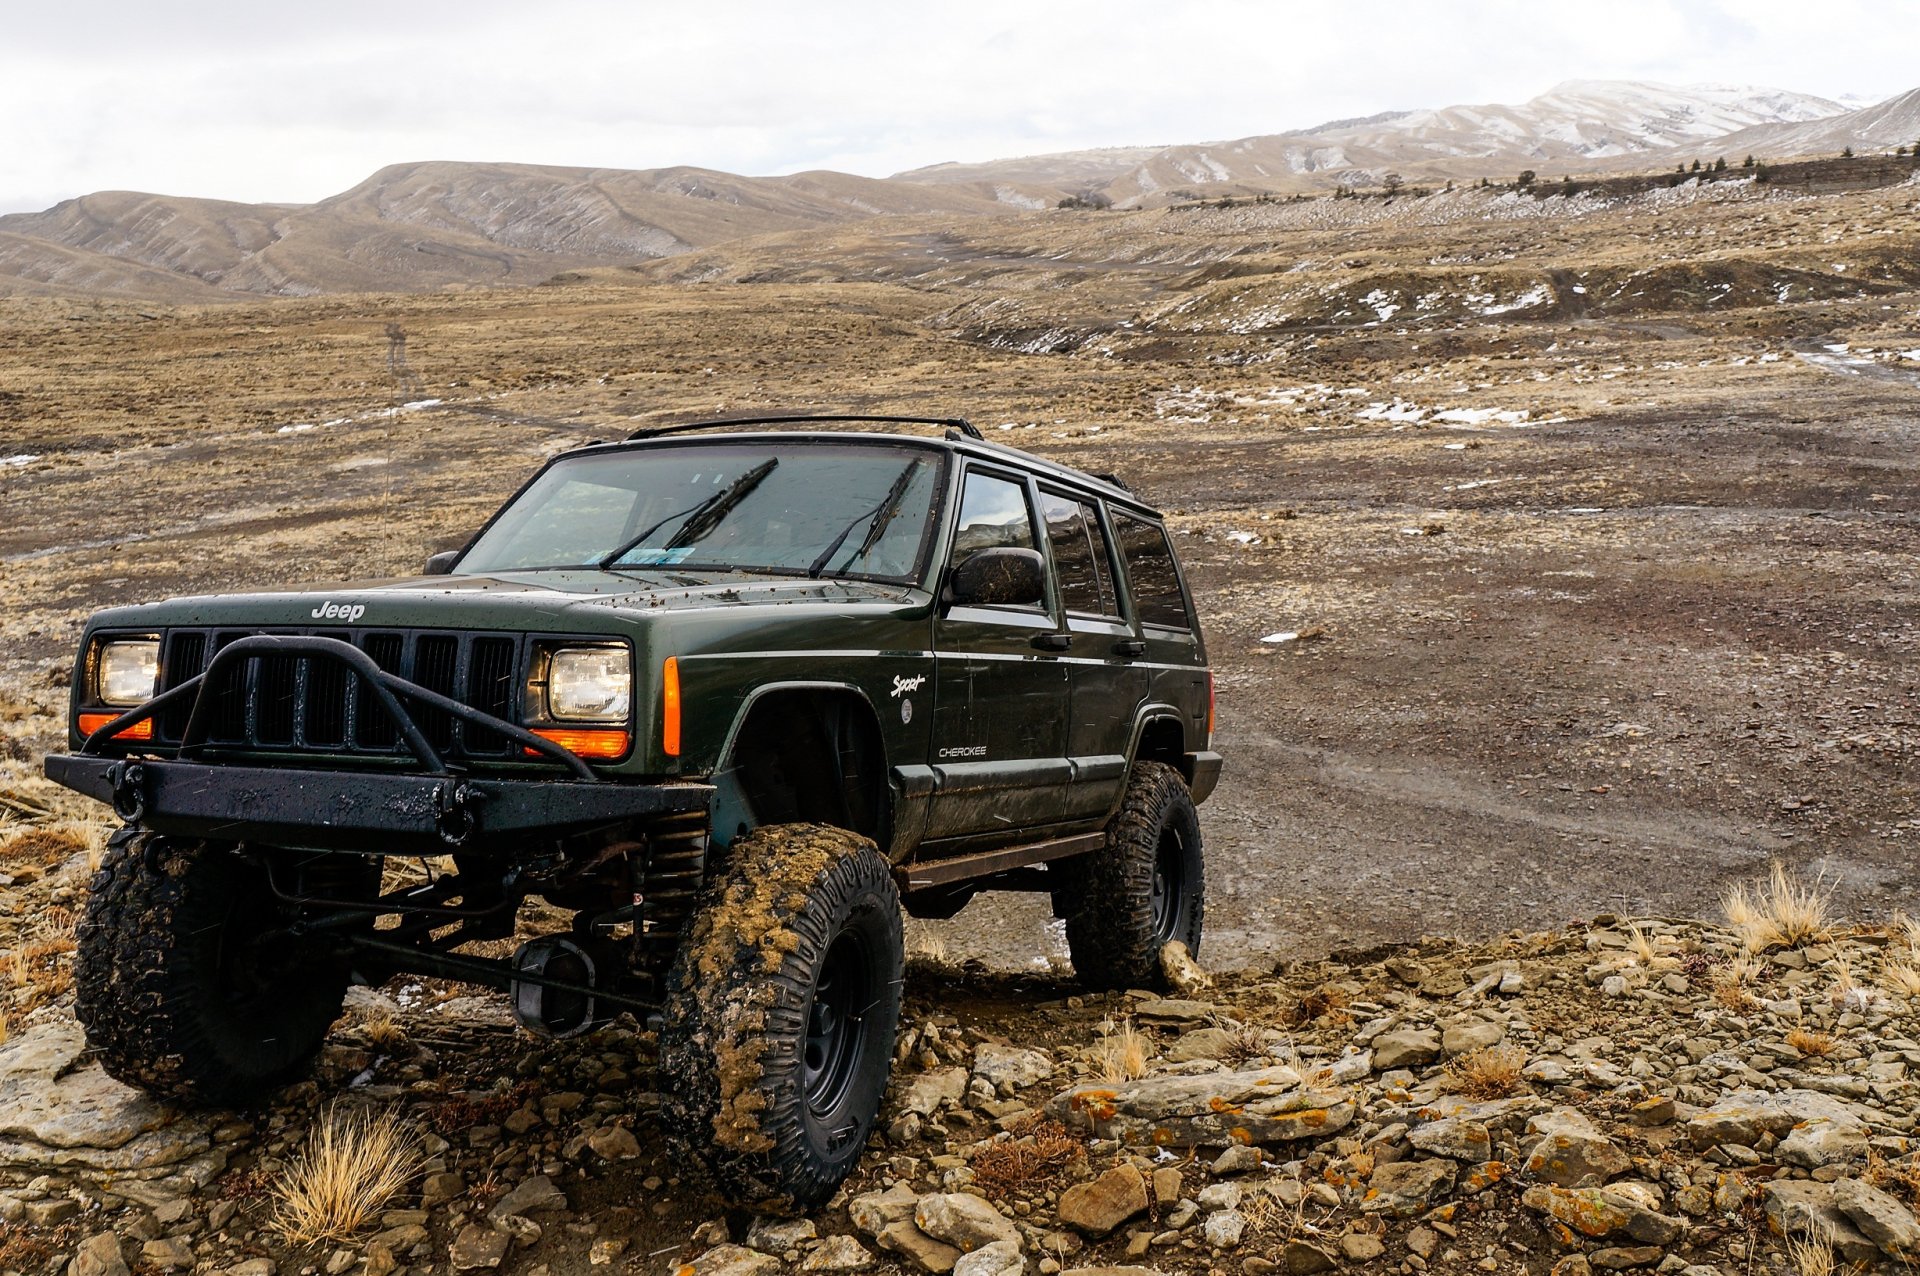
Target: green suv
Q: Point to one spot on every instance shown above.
(731, 699)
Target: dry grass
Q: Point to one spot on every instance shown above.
(1123, 1053)
(352, 1166)
(1031, 1161)
(383, 1031)
(1731, 984)
(1492, 1072)
(1903, 978)
(1812, 1254)
(1816, 1045)
(1899, 1178)
(1328, 1002)
(1782, 913)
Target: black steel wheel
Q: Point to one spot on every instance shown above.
(781, 1010)
(1141, 891)
(183, 981)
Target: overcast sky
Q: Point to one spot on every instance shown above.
(245, 100)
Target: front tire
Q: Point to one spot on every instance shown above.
(1141, 891)
(780, 1018)
(177, 991)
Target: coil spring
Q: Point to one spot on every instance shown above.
(676, 869)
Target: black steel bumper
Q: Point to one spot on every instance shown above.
(359, 811)
(1203, 772)
(419, 812)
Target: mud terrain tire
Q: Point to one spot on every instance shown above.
(1146, 887)
(174, 996)
(780, 1016)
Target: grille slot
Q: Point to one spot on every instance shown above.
(294, 703)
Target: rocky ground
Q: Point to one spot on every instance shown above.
(1619, 1094)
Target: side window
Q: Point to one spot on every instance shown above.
(993, 515)
(1080, 556)
(1156, 584)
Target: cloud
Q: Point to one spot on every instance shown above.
(293, 103)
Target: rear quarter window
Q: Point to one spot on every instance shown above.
(1155, 581)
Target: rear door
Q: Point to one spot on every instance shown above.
(1158, 602)
(1000, 697)
(1103, 658)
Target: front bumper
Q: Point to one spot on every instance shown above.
(360, 811)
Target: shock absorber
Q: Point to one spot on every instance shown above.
(667, 884)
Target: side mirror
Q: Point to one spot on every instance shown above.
(441, 564)
(999, 577)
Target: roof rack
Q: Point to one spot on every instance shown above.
(951, 422)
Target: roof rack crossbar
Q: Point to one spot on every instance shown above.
(951, 422)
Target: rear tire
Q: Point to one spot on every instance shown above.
(1141, 891)
(176, 992)
(780, 1017)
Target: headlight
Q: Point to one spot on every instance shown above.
(590, 684)
(127, 671)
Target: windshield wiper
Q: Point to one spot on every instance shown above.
(878, 519)
(701, 518)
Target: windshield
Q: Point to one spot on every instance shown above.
(792, 509)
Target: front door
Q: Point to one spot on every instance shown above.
(1001, 691)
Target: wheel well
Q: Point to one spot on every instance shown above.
(813, 755)
(1162, 740)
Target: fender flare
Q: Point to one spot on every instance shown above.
(727, 788)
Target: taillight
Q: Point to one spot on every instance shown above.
(670, 707)
(1209, 708)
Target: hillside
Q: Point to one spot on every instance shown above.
(1894, 122)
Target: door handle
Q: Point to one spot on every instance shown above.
(1130, 647)
(1052, 642)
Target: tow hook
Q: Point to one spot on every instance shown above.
(457, 811)
(129, 781)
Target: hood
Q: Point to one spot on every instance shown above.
(585, 599)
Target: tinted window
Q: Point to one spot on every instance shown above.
(1080, 557)
(1156, 584)
(993, 514)
(791, 510)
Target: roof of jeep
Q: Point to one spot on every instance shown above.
(950, 442)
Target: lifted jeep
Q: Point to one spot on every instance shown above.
(732, 699)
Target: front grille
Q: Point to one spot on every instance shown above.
(288, 703)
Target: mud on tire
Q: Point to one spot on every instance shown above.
(1146, 887)
(175, 996)
(780, 1016)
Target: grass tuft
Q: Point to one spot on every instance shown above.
(1815, 1045)
(1492, 1072)
(352, 1166)
(1811, 1254)
(1783, 913)
(1123, 1053)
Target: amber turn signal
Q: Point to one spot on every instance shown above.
(586, 742)
(92, 722)
(670, 707)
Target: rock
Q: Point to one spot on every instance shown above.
(1742, 1117)
(838, 1254)
(1465, 1038)
(1405, 1188)
(529, 1196)
(1011, 1065)
(379, 1261)
(1408, 1048)
(523, 1230)
(1880, 1217)
(966, 1222)
(254, 1267)
(605, 1249)
(170, 1253)
(1203, 1043)
(1219, 1196)
(928, 1091)
(1824, 1138)
(733, 1260)
(1175, 1010)
(908, 1241)
(1604, 1213)
(1239, 1158)
(1301, 1259)
(1655, 1111)
(614, 1142)
(1216, 1109)
(438, 1189)
(1454, 1137)
(778, 1235)
(1797, 1207)
(874, 1212)
(478, 1247)
(1358, 1247)
(1448, 981)
(1223, 1230)
(54, 1210)
(998, 1258)
(1568, 1150)
(55, 1114)
(1167, 1185)
(1423, 1241)
(98, 1255)
(1097, 1207)
(1110, 1271)
(1617, 1258)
